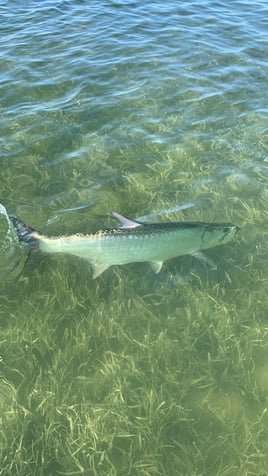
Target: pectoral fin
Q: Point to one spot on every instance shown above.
(156, 266)
(98, 268)
(201, 257)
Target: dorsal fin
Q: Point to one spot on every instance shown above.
(126, 222)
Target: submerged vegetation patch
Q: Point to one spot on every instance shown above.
(135, 373)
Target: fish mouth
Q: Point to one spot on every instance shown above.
(234, 229)
(229, 230)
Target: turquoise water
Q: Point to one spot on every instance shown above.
(149, 109)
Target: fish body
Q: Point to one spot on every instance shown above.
(133, 241)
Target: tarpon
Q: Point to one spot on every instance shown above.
(131, 242)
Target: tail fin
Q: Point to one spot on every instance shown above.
(24, 233)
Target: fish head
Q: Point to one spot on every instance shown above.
(218, 234)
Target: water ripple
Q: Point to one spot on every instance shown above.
(98, 91)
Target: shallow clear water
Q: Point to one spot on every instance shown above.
(142, 108)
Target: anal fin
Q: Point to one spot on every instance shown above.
(156, 266)
(98, 268)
